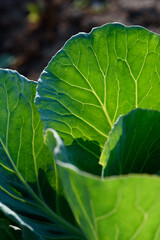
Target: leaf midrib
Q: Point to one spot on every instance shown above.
(46, 209)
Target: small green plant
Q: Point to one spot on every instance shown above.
(80, 149)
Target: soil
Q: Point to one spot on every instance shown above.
(32, 31)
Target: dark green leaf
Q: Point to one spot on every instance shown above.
(134, 144)
(11, 226)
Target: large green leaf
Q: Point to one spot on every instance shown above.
(94, 79)
(29, 182)
(134, 144)
(124, 207)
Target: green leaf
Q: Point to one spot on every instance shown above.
(29, 182)
(125, 207)
(11, 225)
(134, 144)
(8, 231)
(116, 208)
(94, 79)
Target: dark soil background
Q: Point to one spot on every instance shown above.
(32, 31)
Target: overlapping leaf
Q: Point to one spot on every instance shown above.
(28, 183)
(134, 144)
(125, 207)
(91, 81)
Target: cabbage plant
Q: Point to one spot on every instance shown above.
(80, 148)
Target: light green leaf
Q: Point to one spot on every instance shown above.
(29, 182)
(94, 79)
(125, 207)
(116, 208)
(134, 144)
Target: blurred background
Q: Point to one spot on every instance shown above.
(32, 31)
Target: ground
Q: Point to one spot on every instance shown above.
(32, 31)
